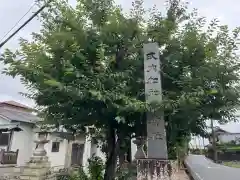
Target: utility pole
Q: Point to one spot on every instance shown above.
(203, 144)
(199, 144)
(25, 23)
(195, 141)
(215, 158)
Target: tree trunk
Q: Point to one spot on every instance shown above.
(121, 152)
(110, 169)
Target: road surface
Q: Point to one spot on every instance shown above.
(202, 168)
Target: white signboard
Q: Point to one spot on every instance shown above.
(157, 147)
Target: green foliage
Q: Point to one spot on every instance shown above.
(94, 171)
(126, 173)
(95, 168)
(63, 177)
(85, 67)
(234, 164)
(180, 149)
(228, 147)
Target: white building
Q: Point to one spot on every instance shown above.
(65, 149)
(16, 127)
(18, 131)
(226, 137)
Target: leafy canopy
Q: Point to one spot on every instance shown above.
(85, 66)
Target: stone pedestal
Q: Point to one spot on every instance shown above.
(35, 170)
(38, 166)
(153, 169)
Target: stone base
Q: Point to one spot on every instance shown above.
(36, 159)
(153, 169)
(36, 169)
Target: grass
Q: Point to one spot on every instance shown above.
(235, 164)
(231, 148)
(234, 147)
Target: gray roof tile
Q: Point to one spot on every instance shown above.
(15, 115)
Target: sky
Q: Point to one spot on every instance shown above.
(11, 11)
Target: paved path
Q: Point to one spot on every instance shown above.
(5, 170)
(204, 169)
(180, 175)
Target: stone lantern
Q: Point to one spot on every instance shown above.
(38, 167)
(40, 142)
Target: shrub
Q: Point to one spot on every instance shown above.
(95, 171)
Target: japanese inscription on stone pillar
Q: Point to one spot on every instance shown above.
(157, 147)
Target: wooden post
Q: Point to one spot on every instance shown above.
(9, 140)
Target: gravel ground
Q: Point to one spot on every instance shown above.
(6, 170)
(181, 175)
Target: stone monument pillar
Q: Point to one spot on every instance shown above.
(156, 135)
(38, 166)
(156, 165)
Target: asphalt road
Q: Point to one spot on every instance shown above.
(202, 168)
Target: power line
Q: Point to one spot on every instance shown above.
(18, 21)
(24, 24)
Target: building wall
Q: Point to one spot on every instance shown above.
(90, 149)
(225, 138)
(57, 159)
(24, 142)
(63, 157)
(79, 140)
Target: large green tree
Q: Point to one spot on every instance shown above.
(85, 67)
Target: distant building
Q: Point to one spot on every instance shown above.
(18, 127)
(16, 132)
(66, 149)
(223, 136)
